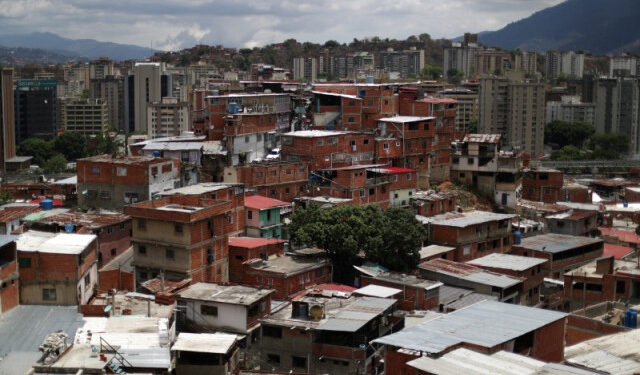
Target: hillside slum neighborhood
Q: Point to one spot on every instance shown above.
(174, 256)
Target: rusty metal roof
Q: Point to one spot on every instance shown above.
(482, 138)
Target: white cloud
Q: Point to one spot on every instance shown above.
(174, 24)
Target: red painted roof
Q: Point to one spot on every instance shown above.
(622, 235)
(617, 251)
(56, 202)
(258, 202)
(251, 242)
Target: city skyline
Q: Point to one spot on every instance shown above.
(174, 25)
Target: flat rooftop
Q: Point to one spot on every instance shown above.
(377, 291)
(215, 343)
(198, 189)
(463, 219)
(396, 278)
(507, 262)
(556, 243)
(619, 266)
(58, 243)
(485, 324)
(287, 265)
(235, 294)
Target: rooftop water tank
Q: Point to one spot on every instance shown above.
(518, 237)
(46, 204)
(233, 108)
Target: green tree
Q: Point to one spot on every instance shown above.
(609, 146)
(564, 133)
(454, 76)
(106, 144)
(40, 149)
(56, 164)
(473, 127)
(391, 238)
(567, 153)
(6, 197)
(431, 72)
(72, 145)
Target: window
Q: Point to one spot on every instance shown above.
(326, 158)
(319, 272)
(298, 361)
(209, 310)
(307, 277)
(470, 161)
(121, 226)
(259, 174)
(408, 176)
(113, 252)
(142, 224)
(270, 282)
(620, 286)
(177, 228)
(167, 168)
(184, 156)
(142, 250)
(362, 193)
(249, 214)
(49, 295)
(274, 172)
(466, 250)
(95, 170)
(121, 171)
(273, 358)
(385, 146)
(372, 191)
(352, 103)
(320, 142)
(268, 215)
(170, 254)
(365, 142)
(259, 137)
(87, 279)
(154, 171)
(230, 219)
(397, 144)
(288, 171)
(104, 194)
(246, 139)
(109, 230)
(271, 331)
(24, 262)
(351, 119)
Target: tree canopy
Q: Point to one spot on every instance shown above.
(391, 238)
(564, 133)
(40, 149)
(56, 164)
(609, 146)
(71, 144)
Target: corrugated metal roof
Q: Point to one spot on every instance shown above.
(464, 219)
(468, 272)
(617, 354)
(59, 243)
(357, 314)
(485, 324)
(173, 146)
(403, 119)
(467, 362)
(556, 243)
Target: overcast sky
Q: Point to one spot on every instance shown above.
(175, 24)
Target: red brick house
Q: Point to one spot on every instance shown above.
(356, 182)
(474, 233)
(181, 237)
(242, 249)
(286, 274)
(542, 185)
(9, 277)
(274, 179)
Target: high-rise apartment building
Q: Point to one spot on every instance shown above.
(35, 109)
(571, 109)
(406, 63)
(86, 116)
(147, 89)
(305, 68)
(461, 56)
(111, 90)
(569, 63)
(526, 62)
(623, 66)
(167, 118)
(515, 108)
(101, 69)
(7, 121)
(617, 108)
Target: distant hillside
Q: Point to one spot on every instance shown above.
(16, 56)
(88, 48)
(597, 26)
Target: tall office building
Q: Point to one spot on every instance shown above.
(167, 118)
(569, 64)
(147, 89)
(7, 137)
(617, 108)
(515, 108)
(85, 116)
(35, 109)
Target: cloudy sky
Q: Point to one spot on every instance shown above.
(174, 24)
